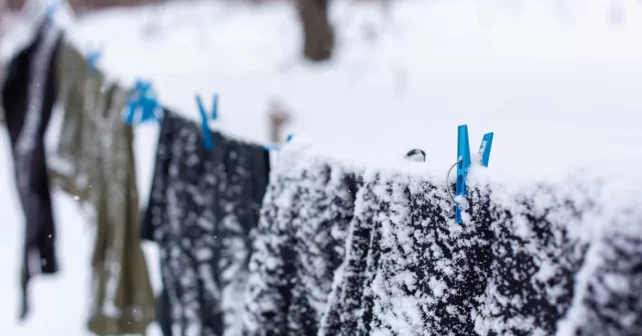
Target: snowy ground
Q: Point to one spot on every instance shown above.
(557, 81)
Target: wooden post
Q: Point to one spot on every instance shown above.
(279, 117)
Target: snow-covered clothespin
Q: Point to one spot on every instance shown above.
(92, 60)
(207, 135)
(142, 98)
(464, 162)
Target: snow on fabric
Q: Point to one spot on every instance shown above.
(298, 244)
(544, 259)
(202, 208)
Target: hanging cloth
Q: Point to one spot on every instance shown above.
(28, 96)
(299, 243)
(203, 207)
(95, 164)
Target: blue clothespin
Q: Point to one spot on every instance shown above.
(143, 99)
(289, 138)
(207, 135)
(92, 59)
(463, 159)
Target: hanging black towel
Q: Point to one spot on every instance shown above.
(299, 243)
(202, 209)
(519, 267)
(409, 269)
(28, 96)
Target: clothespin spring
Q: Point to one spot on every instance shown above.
(448, 188)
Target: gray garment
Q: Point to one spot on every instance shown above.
(202, 210)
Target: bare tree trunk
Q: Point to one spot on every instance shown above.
(3, 14)
(318, 35)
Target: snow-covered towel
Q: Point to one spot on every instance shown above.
(299, 243)
(203, 206)
(518, 266)
(410, 270)
(540, 259)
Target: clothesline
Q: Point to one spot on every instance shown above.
(308, 244)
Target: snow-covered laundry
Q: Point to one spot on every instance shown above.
(94, 163)
(299, 244)
(28, 95)
(409, 269)
(202, 210)
(542, 260)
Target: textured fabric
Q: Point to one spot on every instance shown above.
(513, 269)
(28, 95)
(535, 259)
(545, 259)
(299, 245)
(410, 269)
(95, 164)
(203, 206)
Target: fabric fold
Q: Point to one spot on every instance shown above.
(28, 95)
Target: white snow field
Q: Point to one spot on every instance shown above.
(558, 81)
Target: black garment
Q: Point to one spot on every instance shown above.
(28, 96)
(202, 209)
(409, 270)
(299, 244)
(514, 269)
(542, 260)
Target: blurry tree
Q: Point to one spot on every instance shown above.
(318, 35)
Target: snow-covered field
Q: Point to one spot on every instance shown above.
(558, 81)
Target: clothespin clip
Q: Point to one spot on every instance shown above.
(92, 59)
(289, 138)
(142, 98)
(207, 135)
(464, 162)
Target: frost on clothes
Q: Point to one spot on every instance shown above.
(203, 206)
(520, 265)
(298, 245)
(28, 95)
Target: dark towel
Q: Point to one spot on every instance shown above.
(542, 259)
(299, 244)
(202, 210)
(28, 96)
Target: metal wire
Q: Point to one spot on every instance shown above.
(450, 193)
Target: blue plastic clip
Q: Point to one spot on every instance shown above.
(92, 59)
(463, 159)
(144, 100)
(207, 135)
(289, 138)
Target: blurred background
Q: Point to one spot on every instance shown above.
(558, 81)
